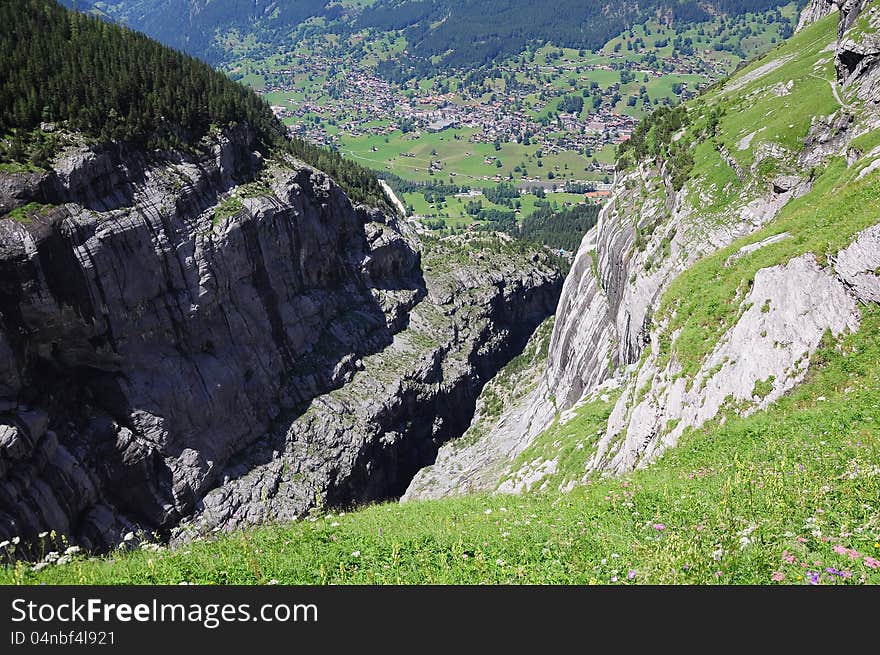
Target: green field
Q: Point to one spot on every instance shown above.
(461, 161)
(453, 211)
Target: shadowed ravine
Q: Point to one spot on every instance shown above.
(166, 360)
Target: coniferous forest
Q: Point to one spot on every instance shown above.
(116, 85)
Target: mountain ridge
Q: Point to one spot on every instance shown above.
(434, 27)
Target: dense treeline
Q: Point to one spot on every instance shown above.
(432, 187)
(501, 194)
(359, 183)
(193, 25)
(474, 33)
(552, 226)
(117, 85)
(464, 34)
(559, 228)
(112, 83)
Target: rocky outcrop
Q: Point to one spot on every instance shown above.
(172, 324)
(815, 10)
(367, 440)
(858, 49)
(764, 355)
(473, 463)
(858, 266)
(646, 235)
(788, 310)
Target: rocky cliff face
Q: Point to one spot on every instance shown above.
(815, 10)
(173, 328)
(787, 309)
(612, 328)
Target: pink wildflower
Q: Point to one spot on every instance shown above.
(801, 540)
(788, 558)
(840, 550)
(778, 576)
(853, 553)
(659, 526)
(872, 563)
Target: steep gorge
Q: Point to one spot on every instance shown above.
(215, 338)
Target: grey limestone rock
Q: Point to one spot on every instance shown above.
(173, 330)
(815, 10)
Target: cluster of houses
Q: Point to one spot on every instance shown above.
(363, 104)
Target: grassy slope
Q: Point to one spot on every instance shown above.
(704, 299)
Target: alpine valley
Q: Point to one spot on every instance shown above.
(475, 292)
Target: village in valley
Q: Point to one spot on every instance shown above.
(546, 121)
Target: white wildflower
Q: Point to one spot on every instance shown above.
(356, 553)
(72, 550)
(129, 536)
